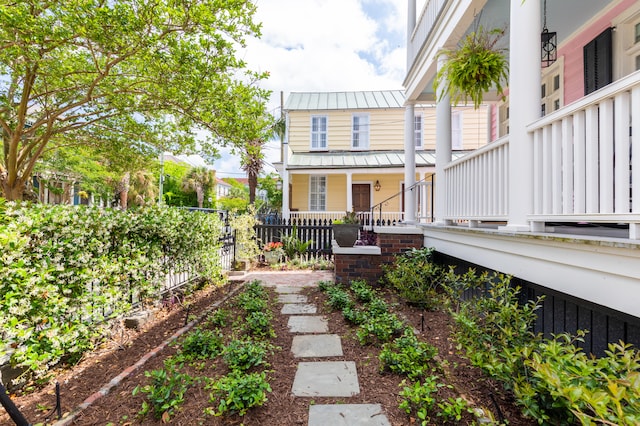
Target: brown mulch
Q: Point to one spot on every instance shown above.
(282, 408)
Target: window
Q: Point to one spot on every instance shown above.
(456, 130)
(318, 132)
(637, 33)
(417, 130)
(317, 193)
(360, 131)
(553, 90)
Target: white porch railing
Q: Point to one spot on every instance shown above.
(384, 218)
(583, 158)
(477, 184)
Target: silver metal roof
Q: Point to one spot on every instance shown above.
(366, 159)
(344, 100)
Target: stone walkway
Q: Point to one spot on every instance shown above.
(312, 340)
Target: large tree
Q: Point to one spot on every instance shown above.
(120, 72)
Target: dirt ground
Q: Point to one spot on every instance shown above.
(126, 347)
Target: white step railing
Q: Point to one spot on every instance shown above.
(477, 184)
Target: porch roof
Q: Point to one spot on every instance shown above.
(360, 160)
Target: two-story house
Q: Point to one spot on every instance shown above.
(345, 151)
(554, 198)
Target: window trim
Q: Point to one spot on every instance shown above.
(359, 132)
(319, 132)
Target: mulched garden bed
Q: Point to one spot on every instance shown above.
(120, 407)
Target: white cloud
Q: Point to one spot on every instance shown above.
(325, 45)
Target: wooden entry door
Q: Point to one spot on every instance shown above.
(361, 193)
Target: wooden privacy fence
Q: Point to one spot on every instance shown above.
(316, 230)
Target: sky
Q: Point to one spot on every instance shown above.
(323, 45)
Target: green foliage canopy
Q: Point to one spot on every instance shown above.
(122, 72)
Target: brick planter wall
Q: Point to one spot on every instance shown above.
(362, 262)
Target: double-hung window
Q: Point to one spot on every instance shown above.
(319, 132)
(317, 193)
(417, 130)
(360, 131)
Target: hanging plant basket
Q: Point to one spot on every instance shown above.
(473, 68)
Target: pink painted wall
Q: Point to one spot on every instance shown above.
(572, 52)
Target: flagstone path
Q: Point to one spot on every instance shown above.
(333, 378)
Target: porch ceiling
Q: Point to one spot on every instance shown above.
(360, 160)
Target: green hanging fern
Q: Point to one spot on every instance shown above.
(471, 69)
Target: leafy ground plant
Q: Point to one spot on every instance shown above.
(419, 399)
(201, 344)
(237, 392)
(242, 354)
(165, 393)
(408, 356)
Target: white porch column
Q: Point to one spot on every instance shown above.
(524, 107)
(286, 212)
(349, 192)
(443, 151)
(409, 164)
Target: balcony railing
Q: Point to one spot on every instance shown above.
(424, 26)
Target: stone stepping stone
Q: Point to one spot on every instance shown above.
(316, 345)
(285, 289)
(292, 298)
(307, 324)
(327, 378)
(298, 308)
(347, 415)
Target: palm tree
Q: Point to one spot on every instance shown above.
(252, 157)
(199, 179)
(142, 189)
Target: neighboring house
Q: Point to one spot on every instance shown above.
(554, 199)
(345, 152)
(222, 188)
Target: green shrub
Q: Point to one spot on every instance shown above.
(452, 409)
(242, 354)
(202, 344)
(406, 355)
(218, 318)
(355, 316)
(293, 246)
(237, 392)
(338, 298)
(418, 400)
(164, 394)
(415, 277)
(379, 329)
(65, 270)
(363, 292)
(258, 324)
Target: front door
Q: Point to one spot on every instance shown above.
(361, 197)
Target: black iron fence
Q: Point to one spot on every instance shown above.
(318, 231)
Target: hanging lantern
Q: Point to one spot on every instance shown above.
(549, 42)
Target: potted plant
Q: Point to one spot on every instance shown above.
(273, 252)
(345, 230)
(471, 69)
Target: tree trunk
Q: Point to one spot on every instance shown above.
(124, 190)
(13, 192)
(200, 196)
(253, 183)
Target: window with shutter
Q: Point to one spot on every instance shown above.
(598, 62)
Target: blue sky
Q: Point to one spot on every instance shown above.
(325, 45)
